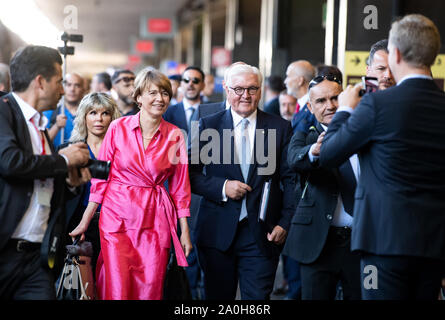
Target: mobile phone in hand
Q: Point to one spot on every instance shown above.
(370, 84)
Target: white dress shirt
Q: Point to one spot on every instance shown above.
(34, 222)
(188, 110)
(237, 132)
(341, 217)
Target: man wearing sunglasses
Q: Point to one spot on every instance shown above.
(320, 233)
(123, 86)
(185, 115)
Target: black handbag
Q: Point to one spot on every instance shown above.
(176, 284)
(76, 280)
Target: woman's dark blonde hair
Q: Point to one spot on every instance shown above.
(96, 101)
(149, 76)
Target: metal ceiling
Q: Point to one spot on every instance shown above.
(107, 26)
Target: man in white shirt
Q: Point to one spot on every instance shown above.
(33, 177)
(234, 243)
(320, 235)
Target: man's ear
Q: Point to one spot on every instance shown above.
(38, 81)
(398, 55)
(309, 106)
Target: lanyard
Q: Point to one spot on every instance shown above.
(42, 138)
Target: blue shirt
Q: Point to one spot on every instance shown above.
(68, 127)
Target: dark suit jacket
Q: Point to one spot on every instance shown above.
(273, 106)
(315, 211)
(217, 220)
(303, 120)
(176, 115)
(19, 167)
(399, 206)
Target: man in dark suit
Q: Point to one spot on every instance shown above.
(320, 233)
(32, 177)
(185, 115)
(230, 173)
(399, 208)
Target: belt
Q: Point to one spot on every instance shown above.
(23, 245)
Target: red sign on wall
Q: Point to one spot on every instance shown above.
(144, 46)
(221, 57)
(159, 25)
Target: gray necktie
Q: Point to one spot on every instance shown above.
(245, 149)
(191, 111)
(245, 156)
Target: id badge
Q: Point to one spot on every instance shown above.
(45, 192)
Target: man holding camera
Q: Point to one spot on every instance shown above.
(33, 178)
(399, 207)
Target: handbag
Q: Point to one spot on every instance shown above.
(76, 280)
(176, 284)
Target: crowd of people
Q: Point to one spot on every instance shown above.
(345, 187)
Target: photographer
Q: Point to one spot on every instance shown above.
(95, 113)
(399, 208)
(33, 178)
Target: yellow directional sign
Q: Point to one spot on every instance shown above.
(355, 67)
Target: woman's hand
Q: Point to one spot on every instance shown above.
(85, 222)
(79, 230)
(186, 243)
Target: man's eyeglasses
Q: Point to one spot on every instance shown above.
(125, 79)
(239, 91)
(193, 80)
(319, 79)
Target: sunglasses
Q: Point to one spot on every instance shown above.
(319, 79)
(125, 79)
(193, 80)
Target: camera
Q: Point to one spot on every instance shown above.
(370, 84)
(99, 169)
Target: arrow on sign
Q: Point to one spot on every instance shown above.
(439, 61)
(356, 60)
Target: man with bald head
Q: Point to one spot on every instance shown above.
(298, 75)
(74, 92)
(320, 233)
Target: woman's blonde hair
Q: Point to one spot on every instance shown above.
(149, 76)
(96, 101)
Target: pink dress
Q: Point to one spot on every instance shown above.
(138, 219)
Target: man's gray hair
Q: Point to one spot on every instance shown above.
(417, 39)
(242, 69)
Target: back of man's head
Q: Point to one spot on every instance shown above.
(4, 77)
(31, 61)
(275, 83)
(105, 79)
(417, 38)
(379, 45)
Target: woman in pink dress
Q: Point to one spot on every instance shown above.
(138, 218)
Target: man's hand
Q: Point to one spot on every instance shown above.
(236, 189)
(317, 147)
(350, 96)
(77, 154)
(61, 121)
(278, 235)
(78, 176)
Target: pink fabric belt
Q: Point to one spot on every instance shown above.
(172, 217)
